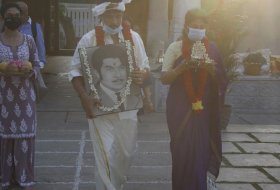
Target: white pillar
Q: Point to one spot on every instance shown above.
(180, 8)
(157, 26)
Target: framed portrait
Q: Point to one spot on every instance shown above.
(106, 72)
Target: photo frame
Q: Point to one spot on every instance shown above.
(106, 72)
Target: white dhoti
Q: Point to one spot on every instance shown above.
(114, 142)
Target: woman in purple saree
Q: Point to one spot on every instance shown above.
(194, 132)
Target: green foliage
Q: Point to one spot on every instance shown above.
(227, 27)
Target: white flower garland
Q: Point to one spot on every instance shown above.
(124, 93)
(199, 52)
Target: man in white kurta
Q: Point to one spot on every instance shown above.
(113, 135)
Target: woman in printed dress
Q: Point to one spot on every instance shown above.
(17, 101)
(193, 108)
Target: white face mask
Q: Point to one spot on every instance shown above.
(196, 34)
(112, 31)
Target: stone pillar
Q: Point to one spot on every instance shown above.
(157, 26)
(180, 8)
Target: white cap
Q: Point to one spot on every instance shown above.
(101, 8)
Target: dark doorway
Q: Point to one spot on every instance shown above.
(37, 8)
(65, 21)
(138, 12)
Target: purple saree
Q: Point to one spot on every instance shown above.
(195, 142)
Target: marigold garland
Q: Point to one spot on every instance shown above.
(194, 95)
(99, 33)
(127, 32)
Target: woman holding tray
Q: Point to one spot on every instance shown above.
(19, 65)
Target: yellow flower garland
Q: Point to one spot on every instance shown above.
(197, 106)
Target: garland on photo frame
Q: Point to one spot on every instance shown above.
(130, 54)
(90, 80)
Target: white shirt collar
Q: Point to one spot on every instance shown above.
(29, 20)
(109, 92)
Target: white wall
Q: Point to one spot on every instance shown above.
(157, 26)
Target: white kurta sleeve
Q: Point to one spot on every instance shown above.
(172, 53)
(87, 40)
(140, 54)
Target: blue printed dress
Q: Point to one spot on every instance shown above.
(18, 119)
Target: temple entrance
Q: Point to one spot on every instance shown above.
(73, 18)
(64, 22)
(138, 12)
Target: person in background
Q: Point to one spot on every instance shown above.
(34, 29)
(18, 118)
(193, 107)
(113, 135)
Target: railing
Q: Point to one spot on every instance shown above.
(81, 15)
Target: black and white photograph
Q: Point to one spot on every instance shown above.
(106, 72)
